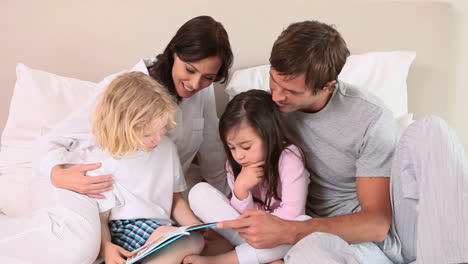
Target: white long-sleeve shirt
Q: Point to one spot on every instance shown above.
(196, 133)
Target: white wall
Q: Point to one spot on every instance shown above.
(459, 96)
(88, 39)
(456, 90)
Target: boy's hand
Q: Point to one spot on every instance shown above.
(248, 178)
(114, 254)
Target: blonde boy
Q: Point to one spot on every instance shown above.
(129, 126)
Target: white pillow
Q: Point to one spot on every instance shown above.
(40, 100)
(247, 79)
(382, 73)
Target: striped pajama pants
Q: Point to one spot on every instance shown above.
(429, 192)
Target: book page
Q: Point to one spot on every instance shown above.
(163, 240)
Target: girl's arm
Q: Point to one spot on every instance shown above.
(109, 251)
(294, 180)
(239, 203)
(181, 211)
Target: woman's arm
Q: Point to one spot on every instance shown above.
(211, 156)
(59, 147)
(181, 211)
(75, 179)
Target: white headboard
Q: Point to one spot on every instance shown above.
(91, 39)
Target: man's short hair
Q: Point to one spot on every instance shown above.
(311, 48)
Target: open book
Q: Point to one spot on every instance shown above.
(164, 240)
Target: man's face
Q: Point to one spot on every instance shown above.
(292, 94)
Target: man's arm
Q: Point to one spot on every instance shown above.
(262, 230)
(370, 224)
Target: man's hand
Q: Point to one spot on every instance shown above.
(248, 178)
(114, 254)
(75, 179)
(261, 229)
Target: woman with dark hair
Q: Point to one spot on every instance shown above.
(65, 226)
(198, 55)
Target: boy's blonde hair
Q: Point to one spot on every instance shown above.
(131, 103)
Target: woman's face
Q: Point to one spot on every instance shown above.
(191, 77)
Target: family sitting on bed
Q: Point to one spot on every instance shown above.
(312, 173)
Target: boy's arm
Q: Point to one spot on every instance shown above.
(181, 211)
(263, 230)
(109, 251)
(105, 233)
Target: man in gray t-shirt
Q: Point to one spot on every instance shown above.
(349, 138)
(351, 147)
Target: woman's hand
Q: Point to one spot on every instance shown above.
(75, 179)
(114, 254)
(248, 178)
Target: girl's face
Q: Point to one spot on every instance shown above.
(246, 145)
(153, 134)
(191, 77)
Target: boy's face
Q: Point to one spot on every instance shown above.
(292, 94)
(153, 134)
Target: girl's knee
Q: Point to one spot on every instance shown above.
(198, 192)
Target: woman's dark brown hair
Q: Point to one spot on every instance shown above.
(199, 38)
(257, 109)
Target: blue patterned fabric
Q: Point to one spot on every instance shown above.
(131, 234)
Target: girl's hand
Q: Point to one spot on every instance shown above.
(75, 179)
(114, 254)
(248, 178)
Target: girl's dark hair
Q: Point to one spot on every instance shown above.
(257, 109)
(199, 38)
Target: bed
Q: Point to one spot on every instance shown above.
(403, 46)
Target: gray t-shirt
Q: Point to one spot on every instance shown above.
(354, 135)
